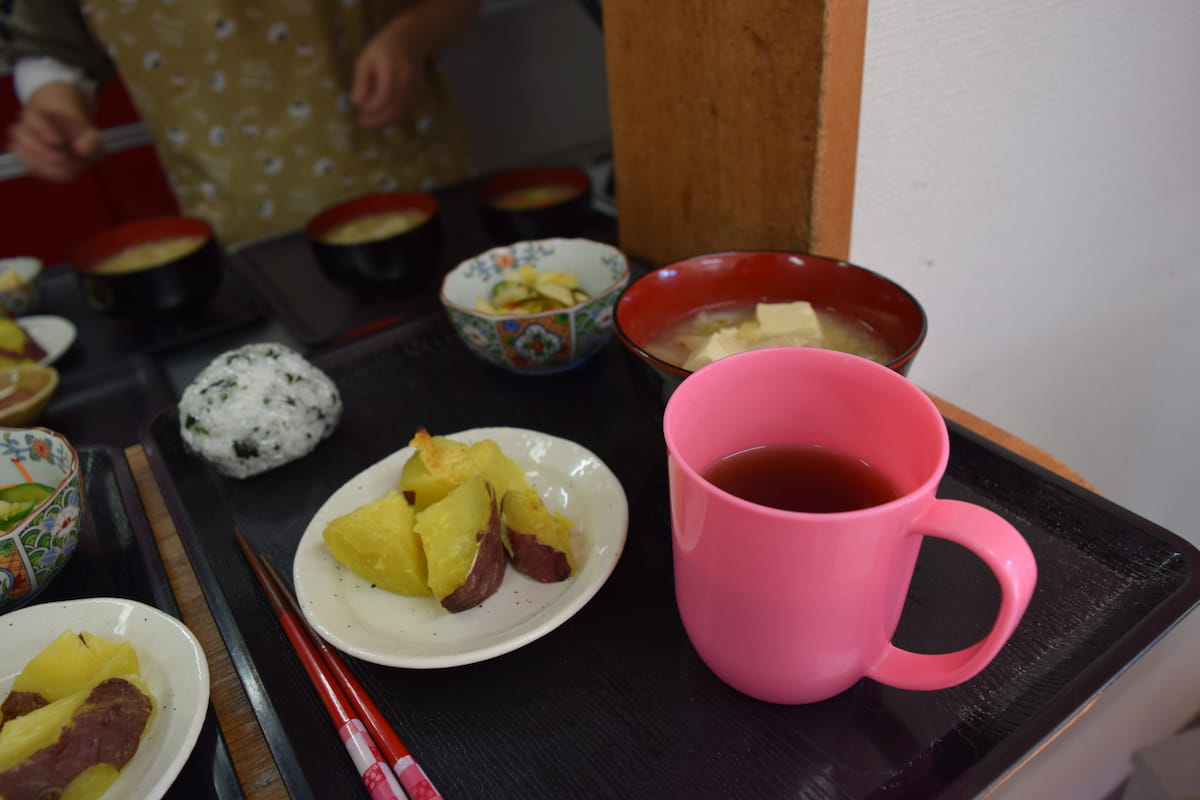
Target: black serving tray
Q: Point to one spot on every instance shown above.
(615, 702)
(117, 557)
(317, 311)
(107, 403)
(102, 339)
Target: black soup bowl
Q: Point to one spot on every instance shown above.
(150, 267)
(388, 241)
(534, 203)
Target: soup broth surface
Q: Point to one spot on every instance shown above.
(534, 197)
(711, 334)
(149, 254)
(373, 227)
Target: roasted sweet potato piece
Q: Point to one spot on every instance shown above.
(73, 662)
(43, 755)
(537, 540)
(440, 464)
(377, 542)
(463, 547)
(422, 485)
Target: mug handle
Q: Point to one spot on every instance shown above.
(1006, 553)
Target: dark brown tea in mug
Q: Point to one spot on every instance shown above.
(802, 478)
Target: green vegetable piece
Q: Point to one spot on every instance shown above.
(508, 293)
(37, 492)
(12, 513)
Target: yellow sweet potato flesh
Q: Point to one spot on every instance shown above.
(420, 485)
(491, 462)
(463, 549)
(440, 464)
(91, 783)
(377, 542)
(73, 662)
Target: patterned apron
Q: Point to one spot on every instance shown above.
(247, 102)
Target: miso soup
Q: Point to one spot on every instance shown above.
(534, 197)
(373, 227)
(149, 254)
(712, 334)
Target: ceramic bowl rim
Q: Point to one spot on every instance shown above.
(72, 466)
(73, 474)
(619, 284)
(898, 363)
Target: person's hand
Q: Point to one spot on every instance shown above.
(389, 79)
(392, 71)
(54, 136)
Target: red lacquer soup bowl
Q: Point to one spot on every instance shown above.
(664, 298)
(150, 266)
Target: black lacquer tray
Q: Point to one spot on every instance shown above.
(615, 702)
(117, 557)
(102, 339)
(317, 311)
(107, 403)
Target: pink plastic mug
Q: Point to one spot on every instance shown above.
(796, 607)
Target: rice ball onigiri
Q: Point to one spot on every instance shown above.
(257, 407)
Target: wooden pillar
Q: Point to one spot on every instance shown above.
(734, 123)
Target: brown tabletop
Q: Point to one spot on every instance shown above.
(252, 759)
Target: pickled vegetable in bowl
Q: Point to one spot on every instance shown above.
(17, 501)
(39, 537)
(528, 290)
(538, 342)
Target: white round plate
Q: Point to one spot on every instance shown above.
(54, 334)
(397, 631)
(172, 664)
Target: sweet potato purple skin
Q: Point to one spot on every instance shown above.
(487, 571)
(106, 729)
(536, 560)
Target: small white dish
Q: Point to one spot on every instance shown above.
(54, 334)
(172, 664)
(389, 629)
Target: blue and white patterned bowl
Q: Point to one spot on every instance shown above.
(38, 547)
(551, 341)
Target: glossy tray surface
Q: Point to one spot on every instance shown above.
(117, 557)
(284, 272)
(106, 404)
(615, 702)
(102, 338)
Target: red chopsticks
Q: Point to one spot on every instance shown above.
(359, 720)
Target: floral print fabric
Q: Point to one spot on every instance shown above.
(248, 104)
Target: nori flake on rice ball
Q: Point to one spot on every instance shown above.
(257, 407)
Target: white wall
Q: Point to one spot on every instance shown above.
(1031, 171)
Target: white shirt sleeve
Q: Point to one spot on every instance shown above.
(33, 72)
